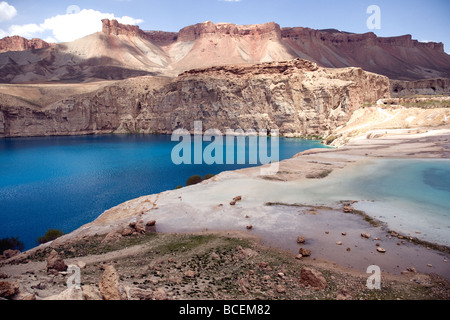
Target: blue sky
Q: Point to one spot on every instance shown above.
(49, 19)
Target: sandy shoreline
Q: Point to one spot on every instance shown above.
(205, 207)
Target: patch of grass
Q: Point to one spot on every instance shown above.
(186, 243)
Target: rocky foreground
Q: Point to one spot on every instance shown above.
(130, 252)
(228, 265)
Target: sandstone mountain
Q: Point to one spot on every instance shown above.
(297, 97)
(123, 51)
(17, 43)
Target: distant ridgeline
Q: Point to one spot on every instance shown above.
(123, 51)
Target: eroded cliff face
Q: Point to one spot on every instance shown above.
(426, 86)
(296, 97)
(17, 43)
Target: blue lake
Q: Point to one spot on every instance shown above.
(65, 182)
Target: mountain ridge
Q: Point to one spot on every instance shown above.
(121, 51)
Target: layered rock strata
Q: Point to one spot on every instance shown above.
(296, 97)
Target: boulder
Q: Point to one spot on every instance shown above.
(109, 286)
(72, 293)
(91, 292)
(139, 226)
(348, 209)
(313, 278)
(365, 235)
(151, 223)
(55, 263)
(127, 231)
(301, 239)
(8, 290)
(381, 250)
(304, 252)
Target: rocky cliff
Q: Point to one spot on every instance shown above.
(17, 43)
(420, 87)
(297, 97)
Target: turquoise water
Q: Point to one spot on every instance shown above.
(65, 182)
(411, 196)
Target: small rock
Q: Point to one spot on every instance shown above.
(411, 269)
(249, 227)
(215, 256)
(348, 209)
(429, 265)
(280, 289)
(348, 249)
(151, 223)
(299, 256)
(380, 249)
(300, 239)
(238, 198)
(127, 231)
(160, 294)
(140, 294)
(313, 278)
(339, 243)
(327, 232)
(190, 274)
(281, 274)
(305, 252)
(81, 264)
(344, 233)
(232, 203)
(365, 235)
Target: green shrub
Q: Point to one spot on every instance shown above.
(208, 176)
(50, 235)
(330, 139)
(193, 180)
(12, 243)
(178, 187)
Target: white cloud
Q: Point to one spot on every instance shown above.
(7, 11)
(3, 33)
(26, 30)
(69, 26)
